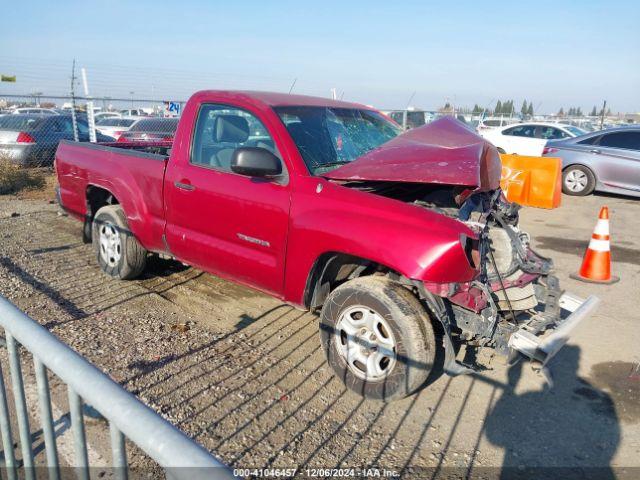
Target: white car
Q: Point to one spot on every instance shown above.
(528, 138)
(115, 126)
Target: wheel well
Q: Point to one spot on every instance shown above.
(579, 165)
(332, 269)
(97, 197)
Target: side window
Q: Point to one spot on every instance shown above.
(626, 140)
(590, 141)
(220, 130)
(551, 133)
(520, 131)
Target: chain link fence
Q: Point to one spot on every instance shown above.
(32, 126)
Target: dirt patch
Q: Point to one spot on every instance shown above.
(577, 247)
(47, 191)
(622, 381)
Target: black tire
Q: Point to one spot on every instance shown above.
(409, 324)
(578, 170)
(130, 257)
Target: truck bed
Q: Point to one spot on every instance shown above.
(134, 177)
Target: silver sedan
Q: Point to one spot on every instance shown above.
(604, 161)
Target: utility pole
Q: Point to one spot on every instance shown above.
(604, 107)
(90, 112)
(73, 101)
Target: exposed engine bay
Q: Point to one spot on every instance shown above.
(514, 295)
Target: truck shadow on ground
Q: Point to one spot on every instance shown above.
(569, 431)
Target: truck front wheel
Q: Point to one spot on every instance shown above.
(119, 253)
(377, 338)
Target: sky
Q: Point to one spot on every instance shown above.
(553, 53)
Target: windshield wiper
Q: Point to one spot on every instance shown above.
(330, 164)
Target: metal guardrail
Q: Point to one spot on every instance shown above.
(180, 456)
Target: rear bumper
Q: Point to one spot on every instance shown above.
(542, 348)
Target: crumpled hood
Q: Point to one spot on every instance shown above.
(443, 152)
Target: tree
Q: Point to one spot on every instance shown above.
(579, 112)
(608, 112)
(524, 108)
(505, 108)
(530, 109)
(561, 112)
(594, 112)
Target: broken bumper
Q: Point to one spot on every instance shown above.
(541, 349)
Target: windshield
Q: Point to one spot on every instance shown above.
(577, 131)
(329, 137)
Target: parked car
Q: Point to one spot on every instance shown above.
(528, 138)
(34, 111)
(150, 130)
(31, 140)
(330, 207)
(408, 119)
(115, 126)
(603, 161)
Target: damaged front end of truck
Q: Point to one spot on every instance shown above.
(514, 304)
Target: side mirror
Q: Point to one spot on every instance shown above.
(255, 162)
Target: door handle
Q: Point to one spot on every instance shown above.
(595, 150)
(184, 186)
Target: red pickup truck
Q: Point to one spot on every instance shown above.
(395, 237)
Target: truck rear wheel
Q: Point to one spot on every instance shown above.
(119, 253)
(378, 338)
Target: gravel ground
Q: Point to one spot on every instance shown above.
(244, 374)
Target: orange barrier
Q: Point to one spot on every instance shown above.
(532, 181)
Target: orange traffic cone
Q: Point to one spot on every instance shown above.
(596, 265)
